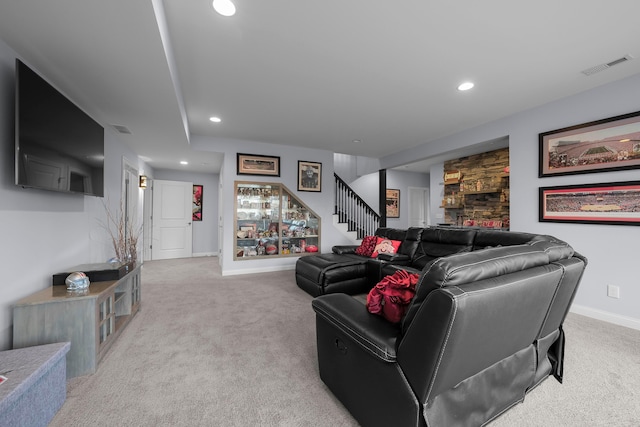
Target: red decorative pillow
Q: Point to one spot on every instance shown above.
(367, 245)
(385, 246)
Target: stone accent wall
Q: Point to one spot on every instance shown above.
(482, 194)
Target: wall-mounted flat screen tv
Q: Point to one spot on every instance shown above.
(58, 146)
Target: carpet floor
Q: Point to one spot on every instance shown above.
(207, 350)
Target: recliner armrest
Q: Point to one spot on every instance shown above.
(373, 333)
(344, 249)
(400, 259)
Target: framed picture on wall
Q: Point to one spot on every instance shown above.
(197, 203)
(616, 203)
(600, 146)
(309, 176)
(255, 164)
(393, 203)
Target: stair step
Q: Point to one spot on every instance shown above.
(344, 229)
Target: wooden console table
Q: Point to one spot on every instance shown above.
(91, 321)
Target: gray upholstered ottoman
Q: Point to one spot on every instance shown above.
(36, 386)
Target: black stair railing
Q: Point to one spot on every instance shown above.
(354, 211)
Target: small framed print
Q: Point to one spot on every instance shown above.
(309, 176)
(393, 203)
(255, 164)
(197, 203)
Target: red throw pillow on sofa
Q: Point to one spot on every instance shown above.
(367, 245)
(385, 246)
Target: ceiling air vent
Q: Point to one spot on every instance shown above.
(122, 129)
(602, 67)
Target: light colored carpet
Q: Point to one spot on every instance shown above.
(207, 350)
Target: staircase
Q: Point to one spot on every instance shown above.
(352, 215)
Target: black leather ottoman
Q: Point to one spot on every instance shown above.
(332, 273)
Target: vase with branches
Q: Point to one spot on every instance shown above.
(124, 235)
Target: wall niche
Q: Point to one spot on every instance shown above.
(476, 190)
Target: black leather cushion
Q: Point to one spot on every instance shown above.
(410, 242)
(439, 242)
(344, 249)
(325, 273)
(391, 233)
(459, 269)
(491, 238)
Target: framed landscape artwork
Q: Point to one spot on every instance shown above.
(600, 146)
(255, 164)
(309, 176)
(616, 203)
(393, 203)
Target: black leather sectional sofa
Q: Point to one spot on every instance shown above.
(344, 271)
(483, 329)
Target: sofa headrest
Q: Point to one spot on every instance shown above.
(482, 264)
(410, 243)
(460, 269)
(490, 238)
(555, 248)
(439, 242)
(391, 233)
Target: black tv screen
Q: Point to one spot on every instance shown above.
(58, 146)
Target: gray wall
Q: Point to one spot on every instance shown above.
(403, 180)
(43, 232)
(612, 249)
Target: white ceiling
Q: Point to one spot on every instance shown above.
(315, 74)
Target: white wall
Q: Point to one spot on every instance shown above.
(612, 250)
(367, 187)
(45, 232)
(205, 232)
(345, 166)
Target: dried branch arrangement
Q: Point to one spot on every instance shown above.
(124, 235)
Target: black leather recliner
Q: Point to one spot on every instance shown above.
(484, 328)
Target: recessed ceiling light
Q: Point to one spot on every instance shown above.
(224, 7)
(184, 162)
(465, 86)
(357, 141)
(215, 119)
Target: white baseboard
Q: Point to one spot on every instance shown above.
(605, 316)
(259, 270)
(199, 254)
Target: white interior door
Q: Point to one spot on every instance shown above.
(172, 231)
(418, 206)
